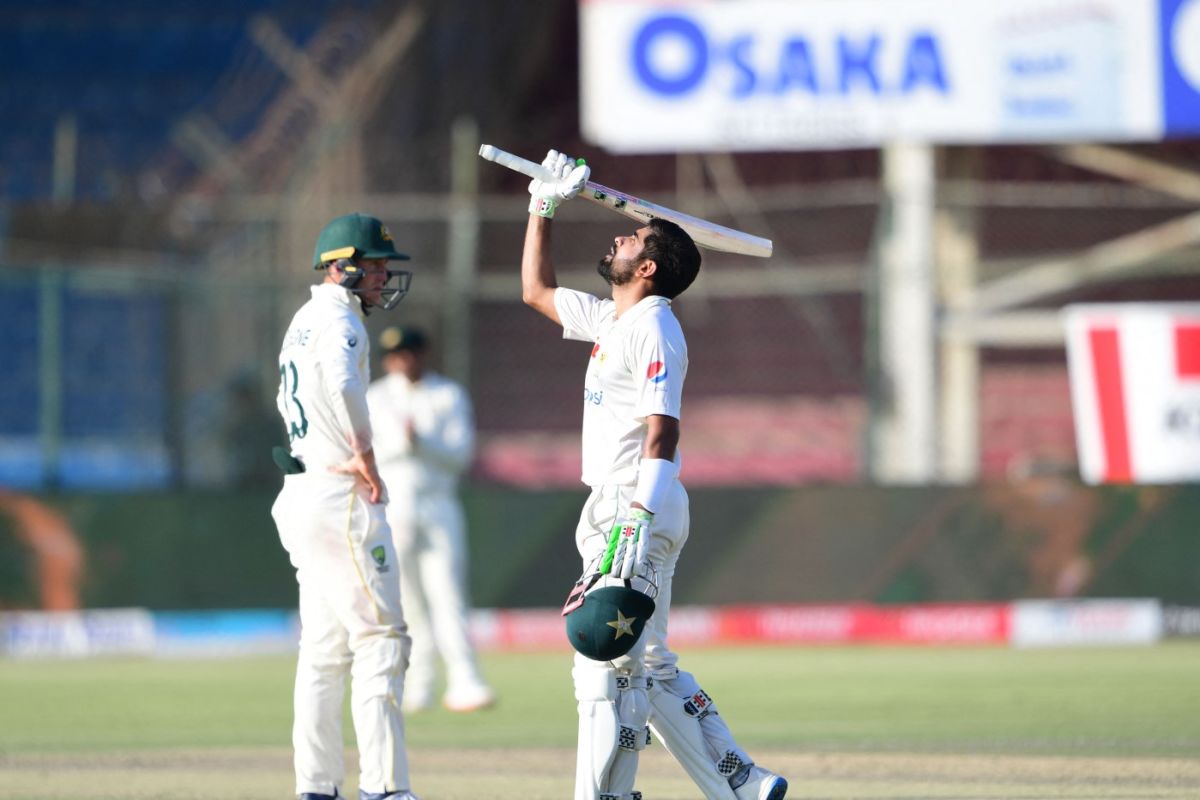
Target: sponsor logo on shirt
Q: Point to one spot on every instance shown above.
(595, 349)
(656, 372)
(593, 398)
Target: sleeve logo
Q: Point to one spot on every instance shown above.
(657, 372)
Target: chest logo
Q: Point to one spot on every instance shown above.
(656, 372)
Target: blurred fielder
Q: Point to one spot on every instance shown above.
(635, 521)
(330, 516)
(424, 439)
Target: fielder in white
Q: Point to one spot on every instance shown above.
(330, 515)
(631, 411)
(424, 439)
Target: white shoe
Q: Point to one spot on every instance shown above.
(760, 784)
(415, 702)
(469, 698)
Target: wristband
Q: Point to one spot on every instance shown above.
(655, 476)
(542, 206)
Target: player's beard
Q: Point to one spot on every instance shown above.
(616, 271)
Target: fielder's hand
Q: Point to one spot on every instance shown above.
(627, 544)
(362, 467)
(569, 177)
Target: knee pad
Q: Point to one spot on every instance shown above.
(685, 718)
(633, 711)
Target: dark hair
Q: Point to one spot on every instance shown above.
(675, 255)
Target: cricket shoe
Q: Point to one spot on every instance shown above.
(319, 796)
(465, 699)
(414, 702)
(405, 795)
(755, 783)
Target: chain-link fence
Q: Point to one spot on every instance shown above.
(163, 374)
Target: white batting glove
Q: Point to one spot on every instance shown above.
(569, 177)
(628, 543)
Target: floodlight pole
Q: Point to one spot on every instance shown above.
(957, 255)
(903, 427)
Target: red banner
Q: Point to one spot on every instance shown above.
(780, 624)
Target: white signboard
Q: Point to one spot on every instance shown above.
(1135, 390)
(793, 74)
(76, 634)
(1071, 623)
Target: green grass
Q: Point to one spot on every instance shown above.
(1104, 702)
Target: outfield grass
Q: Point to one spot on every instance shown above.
(1131, 701)
(812, 709)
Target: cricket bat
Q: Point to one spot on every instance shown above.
(708, 235)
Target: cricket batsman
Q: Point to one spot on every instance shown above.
(635, 521)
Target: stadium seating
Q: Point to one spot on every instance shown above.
(126, 71)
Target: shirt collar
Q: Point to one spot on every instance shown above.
(642, 306)
(331, 292)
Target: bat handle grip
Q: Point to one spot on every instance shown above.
(515, 163)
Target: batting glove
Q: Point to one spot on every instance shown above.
(628, 543)
(569, 177)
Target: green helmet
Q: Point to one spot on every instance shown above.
(609, 622)
(353, 237)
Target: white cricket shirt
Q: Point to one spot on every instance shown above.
(323, 375)
(443, 424)
(636, 369)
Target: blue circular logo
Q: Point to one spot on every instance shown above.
(1185, 36)
(665, 31)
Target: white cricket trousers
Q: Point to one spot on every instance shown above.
(351, 622)
(429, 531)
(651, 656)
(668, 534)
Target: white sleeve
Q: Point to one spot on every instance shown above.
(338, 349)
(659, 365)
(580, 313)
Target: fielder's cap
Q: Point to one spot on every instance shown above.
(395, 339)
(609, 622)
(355, 236)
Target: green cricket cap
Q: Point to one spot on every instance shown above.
(355, 236)
(609, 622)
(396, 339)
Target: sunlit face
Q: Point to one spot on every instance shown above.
(409, 363)
(375, 275)
(621, 262)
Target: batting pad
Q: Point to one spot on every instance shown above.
(596, 693)
(677, 707)
(613, 709)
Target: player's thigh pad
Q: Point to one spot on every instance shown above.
(613, 709)
(679, 711)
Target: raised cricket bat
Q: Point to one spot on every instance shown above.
(706, 234)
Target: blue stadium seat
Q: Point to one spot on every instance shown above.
(128, 70)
